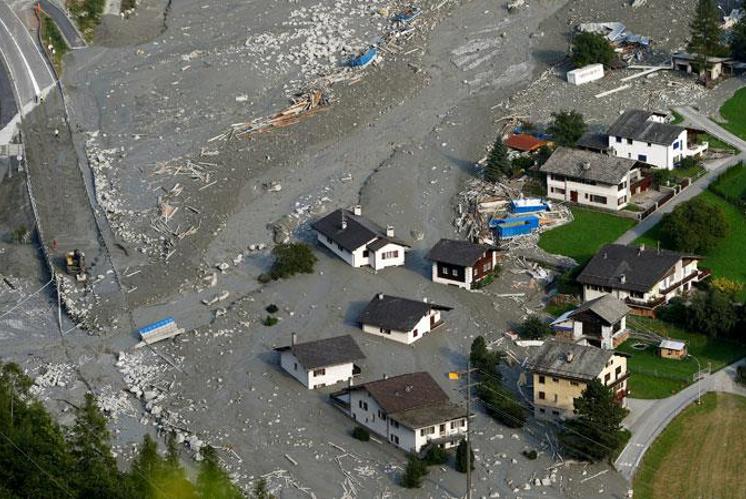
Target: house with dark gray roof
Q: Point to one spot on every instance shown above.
(562, 370)
(642, 278)
(461, 263)
(645, 136)
(400, 319)
(593, 179)
(411, 411)
(601, 322)
(358, 241)
(321, 363)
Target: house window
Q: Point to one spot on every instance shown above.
(387, 255)
(642, 157)
(328, 239)
(366, 253)
(557, 190)
(443, 428)
(556, 413)
(415, 333)
(629, 142)
(319, 372)
(542, 380)
(427, 431)
(619, 140)
(618, 371)
(676, 145)
(487, 267)
(542, 410)
(384, 330)
(598, 199)
(394, 423)
(542, 396)
(555, 398)
(621, 186)
(621, 200)
(607, 378)
(573, 383)
(362, 405)
(649, 144)
(394, 439)
(295, 366)
(555, 380)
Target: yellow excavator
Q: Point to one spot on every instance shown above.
(75, 262)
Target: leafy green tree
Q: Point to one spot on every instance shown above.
(154, 477)
(212, 481)
(498, 164)
(596, 433)
(483, 360)
(291, 259)
(567, 127)
(461, 461)
(713, 313)
(414, 473)
(500, 403)
(533, 328)
(738, 40)
(591, 48)
(435, 456)
(96, 470)
(695, 226)
(705, 30)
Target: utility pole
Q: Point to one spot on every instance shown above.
(468, 428)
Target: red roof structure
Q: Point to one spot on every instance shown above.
(524, 142)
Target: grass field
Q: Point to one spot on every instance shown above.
(731, 185)
(87, 14)
(582, 238)
(700, 454)
(734, 112)
(654, 377)
(716, 144)
(52, 36)
(727, 259)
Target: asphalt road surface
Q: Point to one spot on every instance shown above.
(27, 66)
(8, 107)
(66, 26)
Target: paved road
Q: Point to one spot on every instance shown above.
(648, 418)
(66, 26)
(714, 168)
(21, 55)
(8, 107)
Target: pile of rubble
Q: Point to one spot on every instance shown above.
(78, 302)
(52, 375)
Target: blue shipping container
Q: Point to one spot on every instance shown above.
(514, 226)
(531, 205)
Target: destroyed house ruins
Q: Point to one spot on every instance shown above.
(642, 278)
(322, 362)
(358, 241)
(461, 263)
(400, 319)
(592, 179)
(411, 411)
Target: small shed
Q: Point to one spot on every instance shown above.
(670, 349)
(514, 226)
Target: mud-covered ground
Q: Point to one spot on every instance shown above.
(401, 141)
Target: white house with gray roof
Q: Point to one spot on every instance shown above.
(323, 362)
(591, 179)
(400, 319)
(358, 241)
(601, 322)
(461, 263)
(644, 136)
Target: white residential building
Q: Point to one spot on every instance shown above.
(321, 363)
(645, 137)
(601, 322)
(592, 179)
(400, 319)
(358, 241)
(642, 278)
(461, 263)
(411, 411)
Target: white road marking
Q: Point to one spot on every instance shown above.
(37, 90)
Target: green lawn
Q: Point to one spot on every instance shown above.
(677, 118)
(700, 453)
(582, 238)
(716, 144)
(734, 112)
(727, 259)
(691, 172)
(731, 185)
(653, 377)
(52, 36)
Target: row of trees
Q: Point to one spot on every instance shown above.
(41, 459)
(695, 226)
(417, 468)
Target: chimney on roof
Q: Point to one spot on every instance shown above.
(425, 299)
(344, 221)
(659, 247)
(585, 165)
(569, 357)
(606, 255)
(385, 376)
(623, 278)
(640, 249)
(389, 231)
(380, 296)
(293, 338)
(357, 210)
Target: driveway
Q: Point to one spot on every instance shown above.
(64, 23)
(714, 169)
(648, 418)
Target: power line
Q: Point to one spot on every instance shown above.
(26, 299)
(52, 478)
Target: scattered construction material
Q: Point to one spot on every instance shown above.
(157, 331)
(514, 226)
(529, 205)
(612, 91)
(586, 74)
(365, 59)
